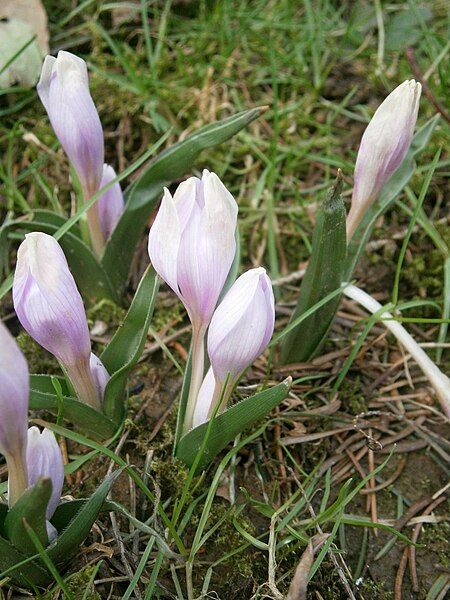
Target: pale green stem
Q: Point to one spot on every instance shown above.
(17, 476)
(439, 381)
(83, 384)
(197, 372)
(93, 220)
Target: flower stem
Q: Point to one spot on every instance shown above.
(93, 220)
(439, 381)
(17, 476)
(83, 384)
(197, 371)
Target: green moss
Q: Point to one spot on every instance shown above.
(372, 590)
(39, 360)
(78, 585)
(106, 311)
(435, 537)
(352, 396)
(170, 474)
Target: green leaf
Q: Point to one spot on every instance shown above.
(324, 274)
(31, 506)
(125, 348)
(388, 195)
(91, 278)
(405, 28)
(69, 540)
(43, 397)
(3, 513)
(229, 424)
(143, 194)
(25, 575)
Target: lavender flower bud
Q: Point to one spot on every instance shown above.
(205, 398)
(110, 204)
(242, 325)
(384, 145)
(14, 390)
(50, 309)
(44, 459)
(64, 91)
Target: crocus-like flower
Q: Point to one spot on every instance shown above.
(50, 309)
(192, 246)
(14, 389)
(383, 147)
(44, 459)
(110, 204)
(64, 91)
(240, 330)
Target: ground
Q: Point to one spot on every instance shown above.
(322, 68)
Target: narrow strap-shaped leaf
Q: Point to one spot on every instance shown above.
(125, 348)
(229, 424)
(31, 506)
(143, 194)
(25, 575)
(91, 278)
(73, 535)
(43, 397)
(324, 274)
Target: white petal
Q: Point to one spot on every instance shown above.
(164, 241)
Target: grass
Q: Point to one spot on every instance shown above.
(322, 67)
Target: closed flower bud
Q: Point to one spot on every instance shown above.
(192, 243)
(64, 91)
(242, 325)
(383, 147)
(14, 389)
(50, 309)
(44, 459)
(110, 204)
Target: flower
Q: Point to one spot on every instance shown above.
(14, 390)
(192, 243)
(49, 307)
(242, 325)
(240, 329)
(110, 204)
(384, 145)
(64, 91)
(44, 460)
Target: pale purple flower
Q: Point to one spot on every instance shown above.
(14, 390)
(242, 325)
(192, 243)
(44, 459)
(111, 203)
(50, 309)
(64, 91)
(384, 145)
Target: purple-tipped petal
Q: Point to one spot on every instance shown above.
(384, 145)
(111, 203)
(44, 459)
(14, 389)
(99, 374)
(64, 91)
(47, 301)
(242, 325)
(204, 399)
(192, 243)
